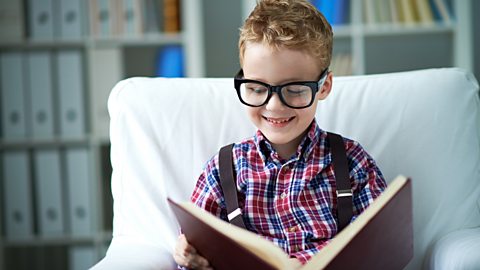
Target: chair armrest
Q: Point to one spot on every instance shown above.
(457, 250)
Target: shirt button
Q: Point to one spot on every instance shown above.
(292, 229)
(283, 195)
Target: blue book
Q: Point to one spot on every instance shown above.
(450, 9)
(341, 11)
(436, 13)
(170, 61)
(326, 7)
(317, 4)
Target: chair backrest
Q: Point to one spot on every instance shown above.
(423, 124)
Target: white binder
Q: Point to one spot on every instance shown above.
(12, 95)
(78, 182)
(105, 18)
(72, 19)
(71, 94)
(17, 195)
(40, 89)
(41, 19)
(105, 70)
(81, 257)
(131, 17)
(48, 188)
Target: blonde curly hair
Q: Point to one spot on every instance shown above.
(292, 24)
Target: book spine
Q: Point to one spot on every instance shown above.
(441, 11)
(425, 12)
(152, 16)
(341, 12)
(408, 12)
(170, 61)
(369, 12)
(171, 13)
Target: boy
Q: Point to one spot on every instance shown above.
(284, 174)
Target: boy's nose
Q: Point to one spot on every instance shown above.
(275, 104)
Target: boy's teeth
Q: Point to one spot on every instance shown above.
(278, 121)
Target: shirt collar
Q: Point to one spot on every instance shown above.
(304, 149)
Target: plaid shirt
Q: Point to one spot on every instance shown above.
(291, 202)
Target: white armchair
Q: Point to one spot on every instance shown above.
(423, 124)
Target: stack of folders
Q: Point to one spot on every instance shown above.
(46, 187)
(56, 19)
(51, 202)
(32, 83)
(76, 19)
(133, 17)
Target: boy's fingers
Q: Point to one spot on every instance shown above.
(183, 251)
(196, 261)
(186, 255)
(184, 248)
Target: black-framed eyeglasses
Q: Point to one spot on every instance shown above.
(296, 95)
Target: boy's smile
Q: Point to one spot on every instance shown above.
(284, 127)
(279, 122)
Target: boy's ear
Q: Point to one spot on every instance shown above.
(326, 87)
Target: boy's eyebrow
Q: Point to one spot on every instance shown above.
(285, 81)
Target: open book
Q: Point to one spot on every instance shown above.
(380, 238)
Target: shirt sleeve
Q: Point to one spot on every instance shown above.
(207, 193)
(367, 180)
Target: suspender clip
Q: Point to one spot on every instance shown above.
(234, 214)
(344, 193)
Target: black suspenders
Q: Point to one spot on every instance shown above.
(342, 178)
(340, 167)
(229, 186)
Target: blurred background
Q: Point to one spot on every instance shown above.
(59, 59)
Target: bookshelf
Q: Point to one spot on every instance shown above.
(367, 40)
(57, 231)
(375, 46)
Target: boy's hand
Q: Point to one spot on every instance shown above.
(187, 256)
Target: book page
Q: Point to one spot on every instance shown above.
(341, 240)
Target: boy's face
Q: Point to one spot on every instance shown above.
(283, 126)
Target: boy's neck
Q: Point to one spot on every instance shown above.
(287, 150)
(284, 152)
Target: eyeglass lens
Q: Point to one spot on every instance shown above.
(293, 95)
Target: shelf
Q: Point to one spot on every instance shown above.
(406, 29)
(143, 40)
(91, 42)
(342, 31)
(58, 240)
(390, 29)
(11, 144)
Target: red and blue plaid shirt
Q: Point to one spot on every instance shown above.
(291, 202)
